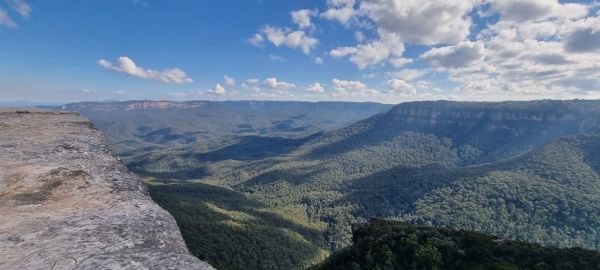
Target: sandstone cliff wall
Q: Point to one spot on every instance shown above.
(67, 203)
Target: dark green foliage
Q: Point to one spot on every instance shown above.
(397, 245)
(517, 170)
(231, 231)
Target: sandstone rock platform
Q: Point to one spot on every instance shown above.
(67, 203)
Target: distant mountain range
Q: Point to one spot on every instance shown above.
(520, 170)
(135, 127)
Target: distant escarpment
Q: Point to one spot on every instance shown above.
(481, 131)
(67, 203)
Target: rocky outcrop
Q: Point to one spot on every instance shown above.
(67, 203)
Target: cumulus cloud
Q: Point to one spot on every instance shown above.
(315, 88)
(400, 61)
(421, 22)
(302, 18)
(273, 83)
(522, 49)
(373, 53)
(6, 20)
(401, 87)
(251, 84)
(528, 10)
(455, 56)
(285, 37)
(228, 81)
(21, 7)
(218, 90)
(127, 66)
(343, 85)
(398, 22)
(267, 84)
(523, 10)
(407, 74)
(352, 88)
(340, 10)
(319, 61)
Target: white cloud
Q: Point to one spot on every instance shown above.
(127, 66)
(319, 61)
(401, 87)
(343, 85)
(267, 84)
(120, 92)
(256, 40)
(302, 18)
(251, 84)
(228, 81)
(359, 36)
(292, 39)
(397, 22)
(373, 53)
(315, 88)
(407, 74)
(218, 90)
(346, 88)
(421, 22)
(340, 10)
(400, 61)
(6, 20)
(455, 56)
(21, 7)
(273, 83)
(523, 10)
(528, 10)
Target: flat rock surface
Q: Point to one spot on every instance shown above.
(67, 203)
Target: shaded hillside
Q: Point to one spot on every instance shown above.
(394, 167)
(548, 196)
(396, 245)
(233, 231)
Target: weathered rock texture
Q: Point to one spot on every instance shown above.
(67, 203)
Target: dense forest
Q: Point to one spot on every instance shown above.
(397, 245)
(525, 171)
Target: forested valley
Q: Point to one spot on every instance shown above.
(285, 197)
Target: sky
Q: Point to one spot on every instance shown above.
(389, 51)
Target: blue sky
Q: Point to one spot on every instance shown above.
(361, 50)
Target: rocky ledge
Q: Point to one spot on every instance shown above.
(67, 203)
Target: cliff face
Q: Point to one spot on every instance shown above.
(579, 115)
(67, 203)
